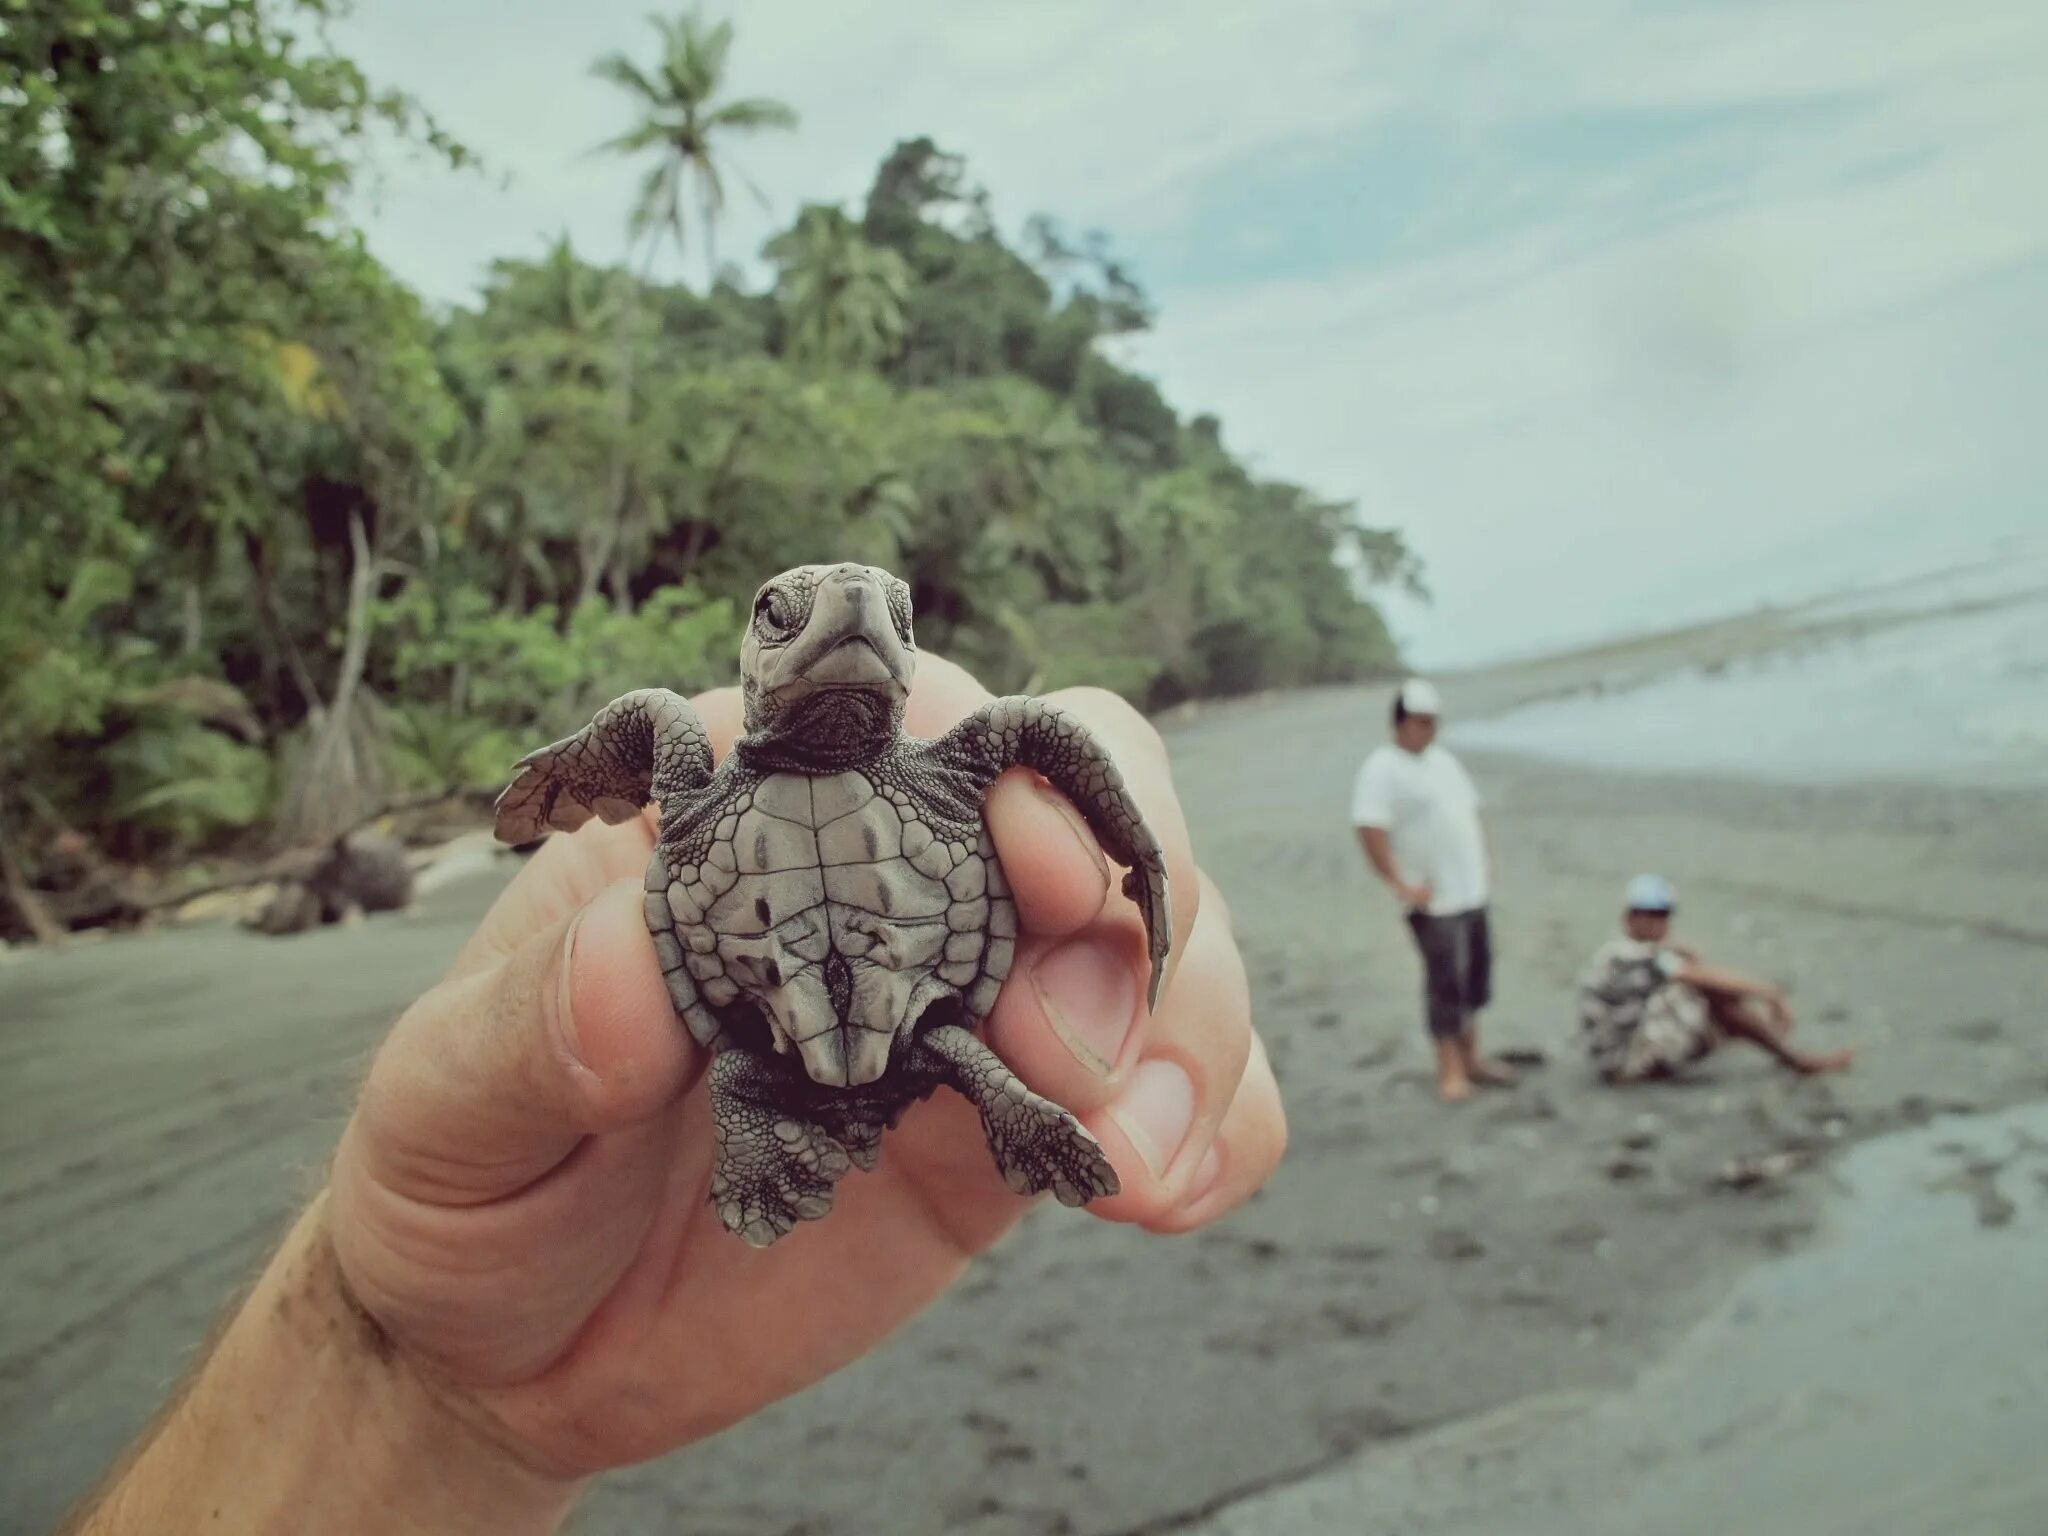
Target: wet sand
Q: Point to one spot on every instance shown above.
(166, 1100)
(1878, 1381)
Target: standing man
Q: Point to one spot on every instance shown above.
(1417, 814)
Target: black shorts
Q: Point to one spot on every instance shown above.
(1457, 968)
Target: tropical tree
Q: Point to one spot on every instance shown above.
(540, 373)
(282, 547)
(686, 125)
(843, 297)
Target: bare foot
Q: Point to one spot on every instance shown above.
(1829, 1061)
(1491, 1074)
(1453, 1087)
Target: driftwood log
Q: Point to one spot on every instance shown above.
(117, 898)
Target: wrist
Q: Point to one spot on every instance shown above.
(306, 1417)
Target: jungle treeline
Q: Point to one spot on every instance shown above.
(281, 543)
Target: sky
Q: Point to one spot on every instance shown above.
(1624, 314)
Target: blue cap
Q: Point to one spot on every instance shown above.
(1651, 893)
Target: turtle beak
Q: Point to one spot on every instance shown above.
(850, 640)
(852, 663)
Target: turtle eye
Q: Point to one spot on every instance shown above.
(899, 609)
(773, 610)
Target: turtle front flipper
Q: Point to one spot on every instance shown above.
(772, 1167)
(1037, 1145)
(1007, 732)
(642, 746)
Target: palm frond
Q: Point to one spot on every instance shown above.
(708, 49)
(617, 69)
(753, 113)
(659, 206)
(646, 136)
(687, 124)
(710, 184)
(752, 186)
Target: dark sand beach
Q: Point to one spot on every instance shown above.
(166, 1099)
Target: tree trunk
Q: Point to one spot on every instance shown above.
(621, 580)
(193, 627)
(710, 246)
(515, 576)
(615, 506)
(332, 785)
(280, 645)
(693, 546)
(594, 553)
(355, 649)
(20, 894)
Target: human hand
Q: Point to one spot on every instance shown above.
(1416, 898)
(520, 1199)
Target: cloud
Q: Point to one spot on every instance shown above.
(1600, 302)
(1103, 115)
(1586, 411)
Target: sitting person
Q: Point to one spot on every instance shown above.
(1650, 1007)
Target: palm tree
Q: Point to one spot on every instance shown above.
(683, 120)
(556, 320)
(844, 296)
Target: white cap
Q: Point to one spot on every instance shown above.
(1420, 698)
(1650, 893)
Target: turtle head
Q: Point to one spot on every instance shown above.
(828, 659)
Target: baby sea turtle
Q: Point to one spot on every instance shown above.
(826, 903)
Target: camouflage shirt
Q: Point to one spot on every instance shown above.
(1615, 991)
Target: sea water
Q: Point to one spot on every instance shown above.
(1948, 682)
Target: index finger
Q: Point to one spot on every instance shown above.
(1134, 745)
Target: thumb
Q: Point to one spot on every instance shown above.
(492, 1078)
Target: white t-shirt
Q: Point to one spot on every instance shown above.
(1430, 810)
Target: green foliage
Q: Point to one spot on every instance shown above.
(177, 785)
(279, 542)
(481, 686)
(843, 297)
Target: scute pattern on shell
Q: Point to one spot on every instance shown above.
(766, 882)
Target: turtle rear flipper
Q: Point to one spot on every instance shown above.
(772, 1167)
(1037, 1145)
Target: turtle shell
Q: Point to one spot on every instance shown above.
(837, 907)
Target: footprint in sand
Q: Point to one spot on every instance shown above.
(1977, 1031)
(1454, 1246)
(1354, 1253)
